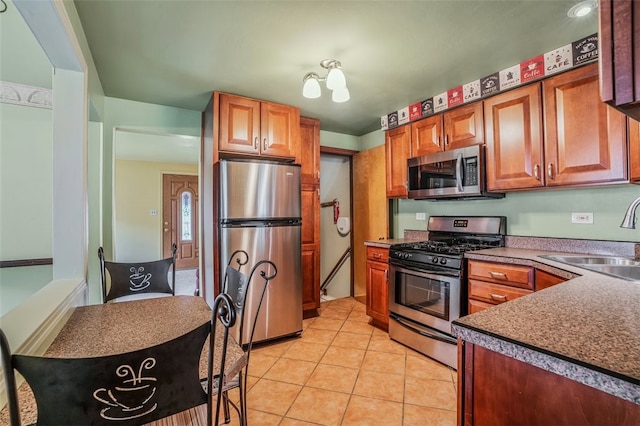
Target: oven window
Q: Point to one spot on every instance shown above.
(423, 294)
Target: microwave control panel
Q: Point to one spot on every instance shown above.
(471, 171)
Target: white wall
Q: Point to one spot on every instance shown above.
(334, 183)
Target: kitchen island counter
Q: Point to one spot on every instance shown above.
(585, 329)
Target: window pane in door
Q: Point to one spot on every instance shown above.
(186, 214)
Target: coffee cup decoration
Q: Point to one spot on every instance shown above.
(133, 398)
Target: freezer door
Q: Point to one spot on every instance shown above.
(281, 311)
(259, 190)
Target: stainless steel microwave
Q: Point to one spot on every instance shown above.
(455, 174)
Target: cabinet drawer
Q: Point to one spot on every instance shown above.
(514, 275)
(378, 254)
(477, 306)
(494, 293)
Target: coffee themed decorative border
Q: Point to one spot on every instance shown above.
(563, 58)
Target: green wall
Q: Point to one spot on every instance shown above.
(339, 140)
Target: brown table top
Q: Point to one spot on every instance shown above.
(113, 328)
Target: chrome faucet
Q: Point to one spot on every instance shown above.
(629, 220)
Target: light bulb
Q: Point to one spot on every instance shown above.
(340, 95)
(335, 79)
(311, 88)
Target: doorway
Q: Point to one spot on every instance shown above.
(180, 218)
(335, 184)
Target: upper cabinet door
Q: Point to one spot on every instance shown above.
(239, 124)
(513, 125)
(634, 150)
(398, 150)
(585, 140)
(464, 126)
(280, 130)
(426, 136)
(310, 150)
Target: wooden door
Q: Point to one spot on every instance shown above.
(464, 126)
(634, 150)
(239, 125)
(279, 130)
(426, 136)
(585, 140)
(369, 196)
(310, 151)
(180, 215)
(398, 150)
(513, 125)
(310, 200)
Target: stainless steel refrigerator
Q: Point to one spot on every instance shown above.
(260, 213)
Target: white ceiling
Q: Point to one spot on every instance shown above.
(394, 53)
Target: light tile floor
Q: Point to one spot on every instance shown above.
(343, 371)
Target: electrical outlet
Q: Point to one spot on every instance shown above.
(421, 216)
(581, 217)
(153, 212)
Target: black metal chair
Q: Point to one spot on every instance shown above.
(236, 285)
(126, 279)
(127, 389)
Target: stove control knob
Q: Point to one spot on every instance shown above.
(443, 261)
(434, 260)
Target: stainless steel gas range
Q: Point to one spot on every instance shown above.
(427, 282)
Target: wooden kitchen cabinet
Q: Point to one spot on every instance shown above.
(494, 283)
(584, 139)
(397, 151)
(458, 128)
(377, 298)
(619, 55)
(546, 279)
(495, 389)
(310, 180)
(513, 125)
(310, 151)
(257, 128)
(634, 150)
(582, 142)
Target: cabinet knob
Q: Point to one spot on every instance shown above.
(498, 275)
(550, 170)
(498, 297)
(377, 255)
(446, 140)
(536, 172)
(264, 144)
(438, 140)
(255, 143)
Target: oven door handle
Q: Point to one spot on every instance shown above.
(425, 272)
(459, 173)
(410, 327)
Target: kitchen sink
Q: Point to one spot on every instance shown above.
(617, 266)
(595, 260)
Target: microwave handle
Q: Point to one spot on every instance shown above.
(459, 172)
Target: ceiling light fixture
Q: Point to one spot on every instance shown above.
(582, 9)
(335, 81)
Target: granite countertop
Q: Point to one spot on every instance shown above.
(90, 332)
(586, 329)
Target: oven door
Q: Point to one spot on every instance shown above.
(432, 299)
